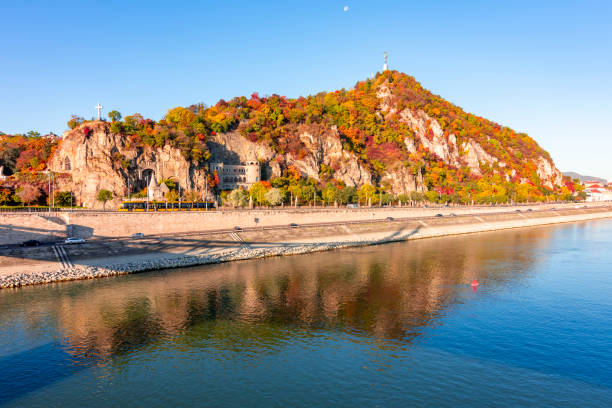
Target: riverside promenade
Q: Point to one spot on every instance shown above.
(104, 256)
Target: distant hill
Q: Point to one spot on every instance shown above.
(574, 175)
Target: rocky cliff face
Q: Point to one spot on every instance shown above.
(428, 135)
(95, 158)
(320, 147)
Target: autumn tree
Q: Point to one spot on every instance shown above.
(180, 117)
(258, 192)
(191, 195)
(238, 198)
(275, 196)
(28, 193)
(172, 196)
(329, 193)
(5, 196)
(366, 193)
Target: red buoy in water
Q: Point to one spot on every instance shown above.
(475, 283)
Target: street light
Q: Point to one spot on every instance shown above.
(49, 189)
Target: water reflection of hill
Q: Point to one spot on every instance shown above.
(388, 294)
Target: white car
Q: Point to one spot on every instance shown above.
(138, 235)
(74, 241)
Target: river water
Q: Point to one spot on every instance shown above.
(393, 325)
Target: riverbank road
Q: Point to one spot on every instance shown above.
(246, 243)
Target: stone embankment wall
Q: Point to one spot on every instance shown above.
(26, 266)
(18, 227)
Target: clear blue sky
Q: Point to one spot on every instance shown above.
(542, 67)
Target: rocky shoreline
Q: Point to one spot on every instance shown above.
(91, 272)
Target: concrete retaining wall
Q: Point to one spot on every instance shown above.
(15, 228)
(25, 266)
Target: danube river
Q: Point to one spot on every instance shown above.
(393, 325)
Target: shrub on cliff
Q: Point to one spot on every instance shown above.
(75, 121)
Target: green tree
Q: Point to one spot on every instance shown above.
(104, 196)
(114, 116)
(63, 198)
(347, 195)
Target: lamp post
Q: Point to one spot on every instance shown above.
(49, 188)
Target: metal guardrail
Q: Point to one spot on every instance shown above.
(294, 209)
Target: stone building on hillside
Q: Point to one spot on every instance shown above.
(233, 176)
(156, 192)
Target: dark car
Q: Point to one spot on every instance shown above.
(439, 215)
(529, 209)
(389, 218)
(30, 243)
(293, 225)
(237, 228)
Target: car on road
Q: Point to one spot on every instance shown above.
(518, 210)
(74, 240)
(293, 225)
(352, 205)
(237, 228)
(30, 243)
(389, 218)
(439, 215)
(138, 235)
(529, 209)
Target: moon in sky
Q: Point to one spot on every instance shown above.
(346, 8)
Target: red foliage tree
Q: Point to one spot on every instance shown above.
(29, 193)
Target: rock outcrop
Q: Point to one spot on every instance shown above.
(429, 135)
(96, 159)
(319, 148)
